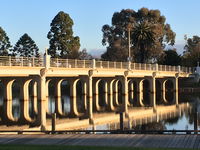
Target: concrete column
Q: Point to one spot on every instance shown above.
(110, 96)
(115, 93)
(84, 94)
(131, 93)
(24, 98)
(73, 99)
(175, 84)
(125, 94)
(47, 96)
(41, 90)
(7, 106)
(90, 103)
(153, 91)
(35, 102)
(139, 86)
(58, 103)
(106, 92)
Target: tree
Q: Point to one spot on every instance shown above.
(4, 43)
(191, 55)
(149, 35)
(62, 42)
(84, 55)
(26, 47)
(170, 57)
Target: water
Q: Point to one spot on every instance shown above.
(187, 119)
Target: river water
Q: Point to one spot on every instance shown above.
(188, 119)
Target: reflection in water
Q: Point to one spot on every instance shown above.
(186, 119)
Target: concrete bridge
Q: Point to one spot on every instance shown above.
(132, 80)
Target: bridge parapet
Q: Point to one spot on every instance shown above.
(75, 63)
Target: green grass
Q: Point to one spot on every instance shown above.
(59, 147)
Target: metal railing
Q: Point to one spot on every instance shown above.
(75, 63)
(21, 61)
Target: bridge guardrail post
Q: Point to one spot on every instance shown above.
(47, 60)
(129, 65)
(179, 68)
(10, 63)
(93, 63)
(155, 67)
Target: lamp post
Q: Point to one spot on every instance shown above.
(129, 44)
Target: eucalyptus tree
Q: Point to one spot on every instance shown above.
(62, 42)
(148, 31)
(191, 55)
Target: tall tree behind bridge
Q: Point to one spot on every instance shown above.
(4, 43)
(26, 47)
(149, 35)
(191, 55)
(62, 42)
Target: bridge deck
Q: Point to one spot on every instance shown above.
(124, 140)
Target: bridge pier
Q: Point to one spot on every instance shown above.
(153, 91)
(90, 94)
(175, 84)
(41, 90)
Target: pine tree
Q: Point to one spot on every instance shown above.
(62, 42)
(4, 43)
(26, 47)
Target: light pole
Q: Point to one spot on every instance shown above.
(129, 44)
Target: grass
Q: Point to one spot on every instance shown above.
(59, 147)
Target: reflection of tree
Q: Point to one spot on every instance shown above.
(151, 126)
(172, 121)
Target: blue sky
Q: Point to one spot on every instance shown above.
(34, 17)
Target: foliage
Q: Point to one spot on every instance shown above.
(84, 55)
(191, 54)
(26, 47)
(4, 43)
(62, 42)
(149, 35)
(170, 57)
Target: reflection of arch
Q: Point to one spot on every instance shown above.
(110, 95)
(115, 93)
(8, 115)
(131, 84)
(169, 92)
(73, 100)
(97, 106)
(58, 102)
(143, 91)
(24, 94)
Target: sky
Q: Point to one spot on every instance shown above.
(34, 17)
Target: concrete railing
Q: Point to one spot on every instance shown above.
(75, 63)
